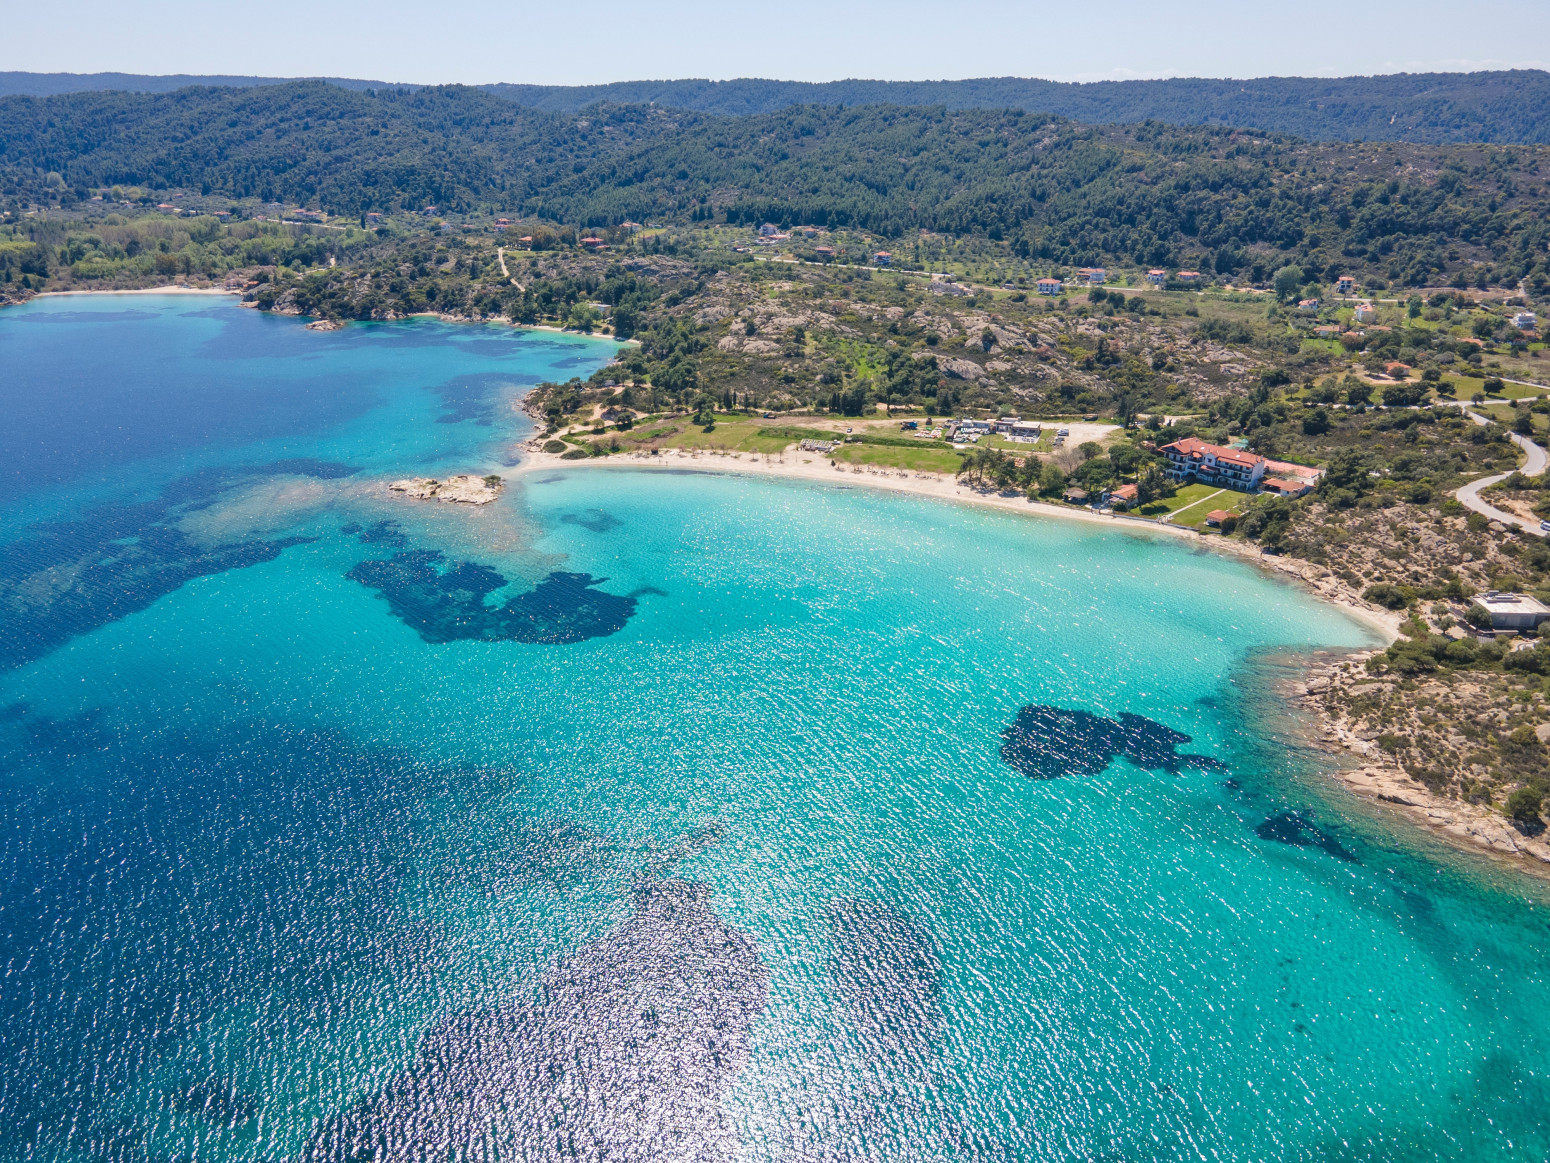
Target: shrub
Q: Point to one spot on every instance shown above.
(1389, 596)
(554, 446)
(1523, 805)
(1478, 616)
(576, 454)
(1535, 661)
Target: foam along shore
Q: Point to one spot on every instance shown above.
(800, 466)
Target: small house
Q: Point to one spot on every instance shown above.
(882, 258)
(824, 253)
(1307, 304)
(1344, 285)
(768, 229)
(592, 243)
(1190, 277)
(1525, 320)
(1366, 312)
(1049, 286)
(1123, 497)
(1513, 611)
(1094, 276)
(1157, 278)
(1286, 486)
(1076, 495)
(1216, 516)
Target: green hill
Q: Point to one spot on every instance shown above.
(1044, 186)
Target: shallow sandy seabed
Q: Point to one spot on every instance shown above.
(1469, 827)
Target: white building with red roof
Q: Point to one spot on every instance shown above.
(1213, 464)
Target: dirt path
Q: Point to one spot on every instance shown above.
(500, 257)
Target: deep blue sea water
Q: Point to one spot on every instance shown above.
(666, 816)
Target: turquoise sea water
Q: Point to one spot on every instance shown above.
(665, 816)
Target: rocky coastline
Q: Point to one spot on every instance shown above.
(1356, 722)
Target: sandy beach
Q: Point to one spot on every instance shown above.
(816, 468)
(168, 290)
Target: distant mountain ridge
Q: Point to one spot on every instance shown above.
(1505, 106)
(56, 84)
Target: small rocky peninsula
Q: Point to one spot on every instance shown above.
(1437, 747)
(465, 489)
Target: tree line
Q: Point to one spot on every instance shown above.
(1241, 205)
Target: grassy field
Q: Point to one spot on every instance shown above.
(1195, 515)
(1183, 499)
(732, 436)
(890, 456)
(1045, 442)
(1521, 392)
(1506, 415)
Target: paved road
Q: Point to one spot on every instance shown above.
(1533, 464)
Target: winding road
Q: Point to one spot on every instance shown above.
(1533, 464)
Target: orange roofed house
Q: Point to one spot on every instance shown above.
(1212, 464)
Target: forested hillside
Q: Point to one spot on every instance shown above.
(1511, 106)
(1422, 107)
(1046, 188)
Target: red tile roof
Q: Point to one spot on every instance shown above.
(1196, 449)
(1280, 485)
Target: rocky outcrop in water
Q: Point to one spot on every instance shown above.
(625, 1055)
(463, 489)
(1050, 742)
(445, 601)
(1298, 829)
(70, 576)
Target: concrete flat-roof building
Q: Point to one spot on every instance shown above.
(1513, 611)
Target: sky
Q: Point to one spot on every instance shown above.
(483, 41)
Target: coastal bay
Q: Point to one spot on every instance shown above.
(416, 771)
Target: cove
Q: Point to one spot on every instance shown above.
(872, 820)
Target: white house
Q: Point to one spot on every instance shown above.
(1513, 611)
(1212, 464)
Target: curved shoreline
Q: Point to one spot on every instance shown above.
(1355, 765)
(1383, 623)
